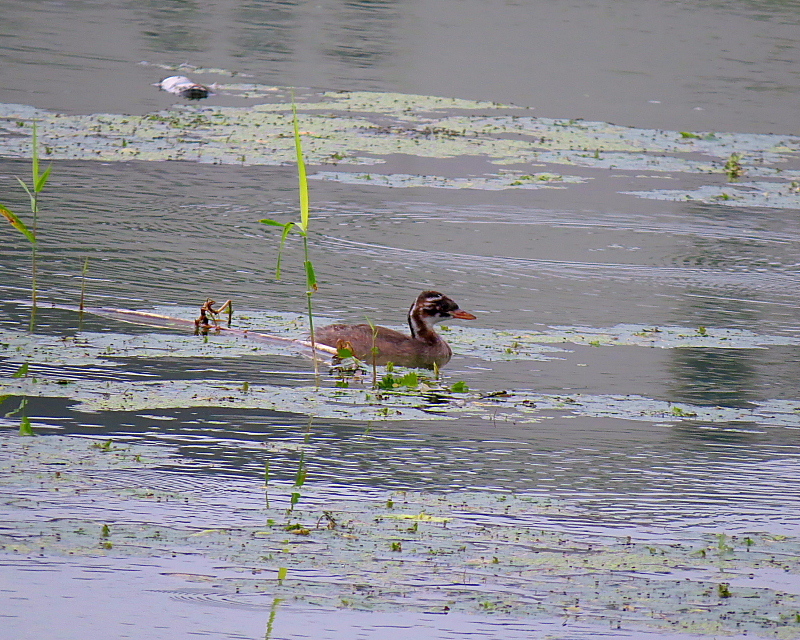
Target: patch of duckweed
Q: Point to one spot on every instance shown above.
(358, 128)
(509, 180)
(491, 345)
(107, 348)
(327, 402)
(652, 336)
(57, 456)
(777, 195)
(93, 390)
(365, 404)
(628, 161)
(473, 552)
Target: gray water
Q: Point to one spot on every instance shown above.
(173, 233)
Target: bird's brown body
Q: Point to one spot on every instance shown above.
(424, 348)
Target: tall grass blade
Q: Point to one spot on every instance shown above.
(374, 352)
(274, 608)
(301, 173)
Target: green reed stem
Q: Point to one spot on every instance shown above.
(38, 182)
(302, 228)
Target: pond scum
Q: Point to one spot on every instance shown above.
(354, 129)
(474, 552)
(471, 552)
(424, 399)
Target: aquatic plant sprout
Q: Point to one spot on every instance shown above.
(301, 227)
(38, 182)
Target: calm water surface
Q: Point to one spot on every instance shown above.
(161, 234)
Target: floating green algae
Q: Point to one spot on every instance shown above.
(508, 180)
(653, 336)
(107, 348)
(57, 367)
(476, 551)
(365, 404)
(777, 195)
(370, 128)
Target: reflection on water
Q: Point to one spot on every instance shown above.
(714, 377)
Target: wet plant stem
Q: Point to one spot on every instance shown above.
(81, 305)
(374, 353)
(38, 182)
(302, 228)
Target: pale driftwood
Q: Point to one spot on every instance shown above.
(160, 320)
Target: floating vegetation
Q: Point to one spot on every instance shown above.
(358, 128)
(401, 395)
(107, 348)
(38, 182)
(508, 180)
(650, 336)
(392, 402)
(777, 195)
(459, 552)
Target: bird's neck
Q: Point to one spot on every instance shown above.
(420, 329)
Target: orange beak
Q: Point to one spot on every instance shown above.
(462, 315)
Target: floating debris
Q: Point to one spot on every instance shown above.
(183, 87)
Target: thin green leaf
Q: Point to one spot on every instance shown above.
(21, 372)
(311, 278)
(286, 229)
(344, 353)
(25, 428)
(27, 190)
(301, 173)
(17, 224)
(42, 180)
(270, 222)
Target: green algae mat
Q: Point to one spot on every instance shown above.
(476, 552)
(90, 370)
(349, 130)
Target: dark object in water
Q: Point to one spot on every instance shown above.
(185, 88)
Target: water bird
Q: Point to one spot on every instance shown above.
(424, 348)
(185, 88)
